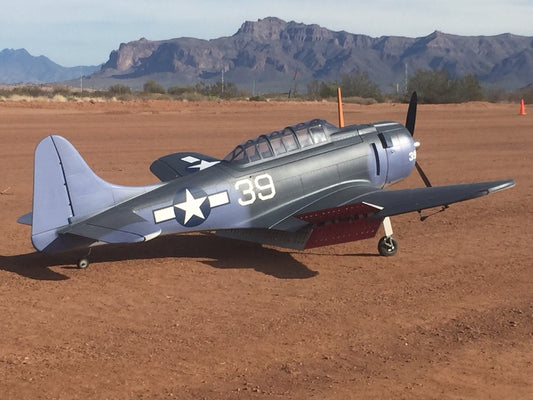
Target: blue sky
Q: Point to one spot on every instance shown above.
(72, 32)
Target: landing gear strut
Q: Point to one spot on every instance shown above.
(387, 245)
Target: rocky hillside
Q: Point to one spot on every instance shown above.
(272, 55)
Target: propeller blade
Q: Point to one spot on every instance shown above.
(411, 114)
(422, 174)
(410, 126)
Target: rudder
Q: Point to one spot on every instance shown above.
(51, 201)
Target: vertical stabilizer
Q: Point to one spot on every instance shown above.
(65, 189)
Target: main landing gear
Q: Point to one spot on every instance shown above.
(387, 245)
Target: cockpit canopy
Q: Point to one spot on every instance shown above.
(293, 138)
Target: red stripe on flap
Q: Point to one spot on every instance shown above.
(341, 224)
(342, 212)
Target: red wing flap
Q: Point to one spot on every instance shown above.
(343, 232)
(341, 224)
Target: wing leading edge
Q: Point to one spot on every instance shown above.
(394, 202)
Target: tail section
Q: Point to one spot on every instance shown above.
(65, 190)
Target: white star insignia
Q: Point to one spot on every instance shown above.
(191, 206)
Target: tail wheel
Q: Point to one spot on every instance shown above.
(83, 263)
(387, 246)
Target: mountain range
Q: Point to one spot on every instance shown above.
(19, 66)
(273, 55)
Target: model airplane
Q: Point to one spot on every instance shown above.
(309, 185)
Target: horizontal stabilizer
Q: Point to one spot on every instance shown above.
(117, 225)
(138, 232)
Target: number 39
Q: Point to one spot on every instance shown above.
(262, 186)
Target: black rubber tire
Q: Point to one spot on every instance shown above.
(387, 246)
(83, 263)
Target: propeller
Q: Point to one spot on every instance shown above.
(410, 126)
(422, 174)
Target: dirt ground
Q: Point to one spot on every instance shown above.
(197, 316)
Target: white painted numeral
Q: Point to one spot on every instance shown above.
(262, 186)
(266, 189)
(247, 192)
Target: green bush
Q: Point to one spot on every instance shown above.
(152, 86)
(438, 87)
(357, 85)
(179, 90)
(360, 85)
(118, 89)
(258, 98)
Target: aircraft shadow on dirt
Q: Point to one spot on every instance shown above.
(211, 250)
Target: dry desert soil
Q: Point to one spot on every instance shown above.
(201, 317)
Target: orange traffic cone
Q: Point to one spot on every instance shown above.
(522, 107)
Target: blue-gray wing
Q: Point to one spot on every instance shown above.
(355, 212)
(394, 202)
(176, 165)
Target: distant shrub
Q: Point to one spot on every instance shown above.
(61, 90)
(59, 98)
(180, 90)
(364, 101)
(360, 85)
(118, 89)
(321, 90)
(357, 85)
(258, 98)
(30, 90)
(152, 86)
(439, 87)
(524, 93)
(193, 96)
